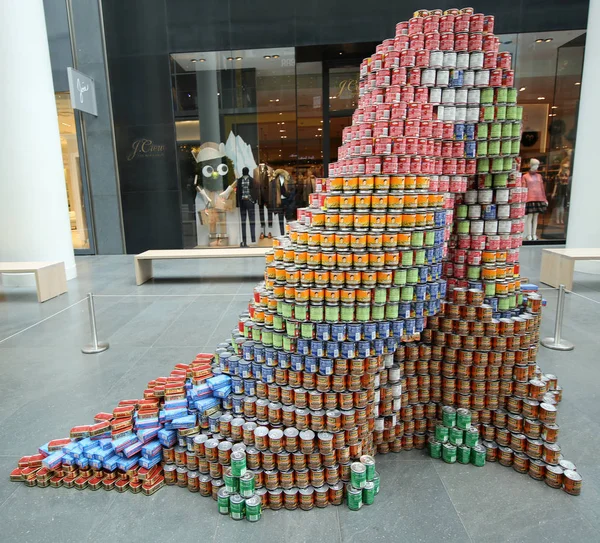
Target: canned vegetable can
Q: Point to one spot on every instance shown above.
(253, 509)
(441, 433)
(449, 453)
(223, 501)
(463, 419)
(478, 456)
(354, 498)
(238, 463)
(464, 454)
(435, 448)
(455, 436)
(237, 508)
(376, 482)
(369, 463)
(358, 475)
(471, 437)
(448, 416)
(247, 485)
(368, 493)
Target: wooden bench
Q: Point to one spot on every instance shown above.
(143, 261)
(558, 265)
(50, 277)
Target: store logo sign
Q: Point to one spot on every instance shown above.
(82, 91)
(145, 148)
(348, 87)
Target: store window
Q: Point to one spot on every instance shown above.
(71, 167)
(250, 109)
(548, 68)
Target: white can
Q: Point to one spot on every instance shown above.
(377, 396)
(436, 59)
(504, 227)
(443, 77)
(472, 114)
(468, 78)
(394, 373)
(461, 115)
(428, 77)
(448, 96)
(476, 228)
(502, 196)
(482, 78)
(474, 211)
(474, 96)
(387, 361)
(503, 211)
(396, 404)
(470, 197)
(491, 228)
(379, 424)
(462, 61)
(485, 196)
(461, 96)
(449, 113)
(449, 59)
(476, 60)
(435, 95)
(396, 390)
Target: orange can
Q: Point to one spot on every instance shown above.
(436, 200)
(259, 315)
(392, 259)
(420, 219)
(290, 292)
(395, 200)
(379, 201)
(300, 257)
(269, 283)
(404, 239)
(322, 277)
(317, 218)
(332, 295)
(390, 240)
(430, 218)
(294, 236)
(502, 273)
(348, 295)
(501, 257)
(382, 182)
(332, 220)
(374, 240)
(342, 240)
(511, 286)
(268, 318)
(347, 201)
(292, 275)
(337, 277)
(384, 277)
(422, 182)
(353, 278)
(488, 257)
(278, 291)
(335, 183)
(362, 201)
(366, 182)
(278, 252)
(288, 255)
(410, 182)
(377, 220)
(313, 259)
(502, 288)
(332, 202)
(377, 259)
(317, 295)
(302, 294)
(344, 260)
(314, 239)
(328, 259)
(397, 182)
(270, 272)
(280, 273)
(302, 236)
(361, 260)
(361, 221)
(422, 200)
(410, 201)
(369, 278)
(363, 295)
(488, 273)
(358, 240)
(350, 184)
(327, 240)
(346, 220)
(270, 257)
(394, 219)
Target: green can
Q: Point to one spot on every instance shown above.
(507, 130)
(515, 146)
(506, 147)
(408, 293)
(394, 294)
(485, 181)
(267, 337)
(493, 148)
(287, 309)
(487, 113)
(511, 113)
(463, 419)
(462, 227)
(473, 272)
(489, 288)
(435, 448)
(289, 344)
(376, 482)
(511, 96)
(503, 304)
(278, 340)
(417, 238)
(369, 463)
(223, 501)
(478, 456)
(463, 454)
(316, 312)
(347, 312)
(391, 310)
(501, 95)
(449, 453)
(455, 436)
(358, 475)
(482, 131)
(377, 312)
(307, 330)
(483, 165)
(471, 437)
(500, 180)
(441, 433)
(380, 295)
(412, 276)
(500, 113)
(332, 312)
(497, 164)
(407, 258)
(448, 416)
(419, 257)
(280, 307)
(247, 485)
(292, 328)
(277, 323)
(515, 130)
(495, 130)
(301, 311)
(482, 148)
(508, 162)
(354, 498)
(232, 484)
(237, 509)
(363, 312)
(368, 493)
(429, 238)
(460, 211)
(486, 96)
(238, 463)
(253, 509)
(519, 113)
(400, 277)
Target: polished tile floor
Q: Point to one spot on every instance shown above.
(47, 386)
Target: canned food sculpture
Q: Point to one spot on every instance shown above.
(391, 316)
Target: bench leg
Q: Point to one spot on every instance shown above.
(143, 270)
(51, 281)
(549, 269)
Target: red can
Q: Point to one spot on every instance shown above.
(407, 94)
(391, 60)
(382, 112)
(398, 111)
(436, 146)
(447, 41)
(399, 76)
(387, 45)
(461, 168)
(378, 95)
(401, 42)
(508, 78)
(437, 128)
(392, 94)
(422, 144)
(411, 146)
(489, 43)
(403, 164)
(434, 181)
(390, 165)
(421, 95)
(382, 79)
(365, 131)
(449, 166)
(415, 25)
(461, 42)
(426, 166)
(490, 60)
(414, 77)
(470, 166)
(381, 129)
(383, 146)
(414, 111)
(402, 28)
(366, 147)
(395, 129)
(447, 130)
(447, 23)
(415, 164)
(504, 60)
(458, 149)
(407, 57)
(496, 77)
(432, 41)
(455, 184)
(425, 129)
(372, 165)
(427, 111)
(431, 23)
(460, 271)
(422, 58)
(478, 243)
(477, 22)
(370, 112)
(476, 42)
(399, 146)
(417, 41)
(461, 23)
(488, 24)
(444, 184)
(447, 149)
(376, 61)
(412, 128)
(430, 147)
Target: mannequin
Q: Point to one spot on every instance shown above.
(536, 199)
(561, 190)
(262, 174)
(203, 201)
(246, 197)
(278, 193)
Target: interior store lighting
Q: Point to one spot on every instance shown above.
(238, 58)
(275, 56)
(267, 56)
(230, 58)
(541, 97)
(578, 83)
(522, 89)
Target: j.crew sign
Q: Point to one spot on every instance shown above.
(145, 148)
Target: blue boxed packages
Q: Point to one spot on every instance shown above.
(132, 449)
(151, 449)
(110, 463)
(68, 460)
(174, 414)
(127, 463)
(175, 404)
(54, 460)
(89, 454)
(76, 452)
(189, 421)
(70, 447)
(105, 444)
(222, 392)
(167, 438)
(43, 450)
(86, 444)
(95, 463)
(121, 443)
(218, 381)
(150, 462)
(102, 454)
(82, 462)
(205, 404)
(148, 434)
(141, 424)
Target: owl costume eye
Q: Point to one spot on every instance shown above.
(222, 169)
(207, 171)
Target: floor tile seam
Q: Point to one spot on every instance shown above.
(104, 514)
(173, 320)
(5, 501)
(339, 524)
(452, 501)
(135, 363)
(210, 339)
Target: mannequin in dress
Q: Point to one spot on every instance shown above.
(561, 190)
(536, 199)
(262, 175)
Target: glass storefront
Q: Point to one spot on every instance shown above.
(71, 166)
(283, 120)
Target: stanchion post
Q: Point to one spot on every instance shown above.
(556, 343)
(95, 346)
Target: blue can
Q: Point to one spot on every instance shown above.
(404, 310)
(227, 402)
(250, 387)
(248, 350)
(383, 329)
(438, 236)
(476, 284)
(391, 344)
(456, 78)
(419, 309)
(332, 349)
(443, 287)
(439, 254)
(421, 292)
(459, 131)
(338, 332)
(303, 346)
(378, 346)
(297, 362)
(257, 369)
(419, 324)
(233, 365)
(363, 348)
(492, 302)
(224, 362)
(325, 366)
(311, 364)
(237, 385)
(470, 131)
(423, 274)
(489, 212)
(431, 308)
(370, 331)
(245, 369)
(433, 290)
(270, 356)
(398, 328)
(354, 332)
(348, 350)
(259, 352)
(436, 271)
(236, 404)
(268, 374)
(409, 327)
(470, 149)
(284, 359)
(505, 314)
(322, 332)
(429, 255)
(317, 348)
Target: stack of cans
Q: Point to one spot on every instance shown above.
(363, 485)
(237, 498)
